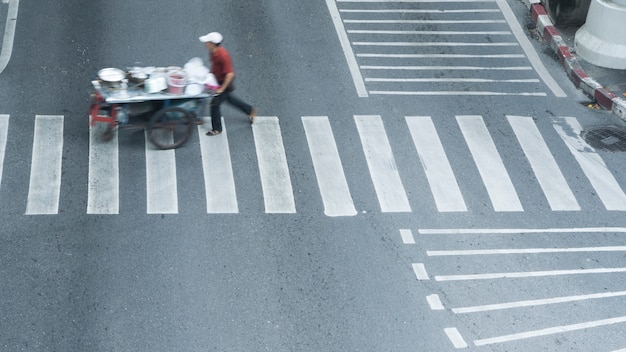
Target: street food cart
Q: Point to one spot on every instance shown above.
(164, 101)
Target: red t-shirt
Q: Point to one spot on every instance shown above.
(221, 64)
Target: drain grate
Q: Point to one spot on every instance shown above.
(607, 138)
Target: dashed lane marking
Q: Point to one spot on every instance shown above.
(434, 302)
(420, 271)
(455, 337)
(407, 236)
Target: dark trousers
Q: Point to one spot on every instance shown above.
(216, 115)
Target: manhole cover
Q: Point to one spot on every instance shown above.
(608, 138)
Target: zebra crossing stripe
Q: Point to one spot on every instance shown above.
(45, 172)
(219, 182)
(273, 168)
(591, 163)
(328, 168)
(161, 183)
(490, 166)
(4, 133)
(441, 179)
(548, 173)
(103, 189)
(382, 165)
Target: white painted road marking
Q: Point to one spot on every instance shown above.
(4, 133)
(103, 188)
(103, 185)
(550, 331)
(219, 182)
(9, 33)
(537, 302)
(525, 274)
(393, 32)
(527, 46)
(548, 173)
(347, 49)
(275, 179)
(461, 68)
(420, 271)
(161, 182)
(452, 93)
(425, 21)
(415, 1)
(490, 166)
(455, 337)
(450, 44)
(443, 183)
(45, 171)
(434, 302)
(521, 230)
(328, 167)
(382, 165)
(405, 10)
(449, 80)
(441, 56)
(389, 27)
(407, 236)
(444, 253)
(592, 165)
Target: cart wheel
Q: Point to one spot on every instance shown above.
(170, 127)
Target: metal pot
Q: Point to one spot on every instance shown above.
(111, 77)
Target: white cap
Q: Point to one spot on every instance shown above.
(213, 37)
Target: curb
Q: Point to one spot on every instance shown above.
(604, 97)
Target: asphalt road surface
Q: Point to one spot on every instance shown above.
(417, 180)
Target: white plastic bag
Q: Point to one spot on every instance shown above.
(196, 71)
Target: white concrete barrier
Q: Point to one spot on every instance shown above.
(602, 39)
